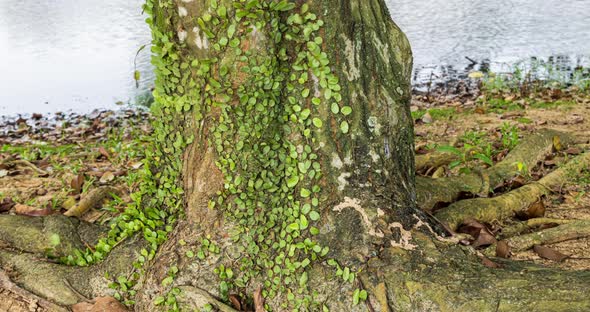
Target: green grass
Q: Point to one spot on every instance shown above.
(502, 105)
(499, 105)
(525, 121)
(436, 113)
(39, 151)
(553, 105)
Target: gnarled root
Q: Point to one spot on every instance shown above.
(571, 230)
(532, 150)
(507, 205)
(27, 241)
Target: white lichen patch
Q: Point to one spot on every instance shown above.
(201, 40)
(336, 161)
(317, 92)
(182, 34)
(351, 69)
(374, 155)
(182, 11)
(342, 182)
(382, 48)
(374, 125)
(348, 160)
(256, 36)
(355, 204)
(300, 149)
(406, 237)
(187, 1)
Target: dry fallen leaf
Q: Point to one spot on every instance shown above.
(485, 238)
(489, 263)
(107, 177)
(573, 151)
(104, 152)
(549, 254)
(536, 210)
(502, 249)
(482, 236)
(235, 302)
(6, 204)
(32, 211)
(77, 183)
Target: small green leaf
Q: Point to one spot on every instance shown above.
(317, 122)
(344, 127)
(314, 215)
(305, 93)
(363, 295)
(355, 297)
(293, 226)
(346, 110)
(292, 182)
(303, 223)
(335, 108)
(303, 280)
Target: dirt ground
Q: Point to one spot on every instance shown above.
(459, 119)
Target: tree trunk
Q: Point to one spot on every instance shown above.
(301, 170)
(285, 157)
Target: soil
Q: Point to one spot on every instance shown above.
(451, 118)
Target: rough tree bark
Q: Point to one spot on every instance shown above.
(296, 152)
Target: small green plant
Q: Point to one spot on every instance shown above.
(510, 136)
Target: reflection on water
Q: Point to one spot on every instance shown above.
(447, 35)
(70, 54)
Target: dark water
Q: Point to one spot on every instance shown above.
(57, 55)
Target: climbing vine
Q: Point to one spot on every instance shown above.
(269, 101)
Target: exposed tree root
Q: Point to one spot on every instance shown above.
(195, 297)
(431, 192)
(507, 205)
(572, 230)
(522, 227)
(450, 278)
(434, 160)
(16, 299)
(92, 199)
(27, 241)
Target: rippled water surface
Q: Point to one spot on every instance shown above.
(70, 54)
(500, 32)
(57, 55)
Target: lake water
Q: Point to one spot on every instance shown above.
(57, 55)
